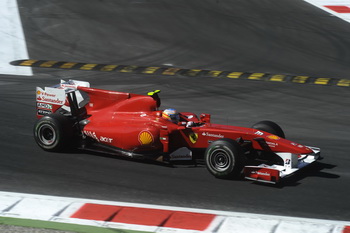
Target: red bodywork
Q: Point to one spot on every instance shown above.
(132, 122)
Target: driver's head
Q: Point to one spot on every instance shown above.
(170, 114)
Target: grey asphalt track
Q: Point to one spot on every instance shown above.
(272, 36)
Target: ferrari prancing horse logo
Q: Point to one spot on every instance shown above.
(193, 137)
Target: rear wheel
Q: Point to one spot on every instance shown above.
(53, 132)
(270, 127)
(224, 159)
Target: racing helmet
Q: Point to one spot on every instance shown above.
(170, 114)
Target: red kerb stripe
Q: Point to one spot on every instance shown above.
(142, 216)
(96, 212)
(191, 221)
(145, 216)
(339, 9)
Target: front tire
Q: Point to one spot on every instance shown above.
(270, 127)
(223, 159)
(53, 132)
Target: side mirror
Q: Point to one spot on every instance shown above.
(205, 118)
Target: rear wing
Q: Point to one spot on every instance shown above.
(62, 95)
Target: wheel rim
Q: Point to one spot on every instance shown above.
(47, 135)
(220, 160)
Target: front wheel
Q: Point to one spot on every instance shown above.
(53, 132)
(270, 127)
(223, 159)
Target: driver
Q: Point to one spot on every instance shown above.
(170, 114)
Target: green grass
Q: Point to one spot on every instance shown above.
(61, 226)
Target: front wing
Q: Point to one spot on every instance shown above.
(274, 173)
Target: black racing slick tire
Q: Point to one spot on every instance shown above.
(224, 159)
(53, 132)
(270, 127)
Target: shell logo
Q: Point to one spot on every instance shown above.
(274, 137)
(145, 138)
(38, 92)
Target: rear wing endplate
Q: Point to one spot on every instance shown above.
(50, 99)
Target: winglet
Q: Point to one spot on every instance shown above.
(153, 92)
(154, 95)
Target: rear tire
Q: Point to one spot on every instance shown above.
(270, 127)
(223, 159)
(53, 132)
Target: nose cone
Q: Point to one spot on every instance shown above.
(279, 144)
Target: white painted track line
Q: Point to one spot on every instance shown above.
(12, 40)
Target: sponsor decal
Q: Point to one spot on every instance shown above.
(44, 106)
(206, 134)
(273, 137)
(64, 85)
(93, 135)
(54, 101)
(51, 95)
(106, 139)
(145, 138)
(259, 133)
(193, 137)
(261, 173)
(44, 97)
(43, 112)
(272, 144)
(297, 145)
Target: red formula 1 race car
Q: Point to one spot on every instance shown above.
(71, 114)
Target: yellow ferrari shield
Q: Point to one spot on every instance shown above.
(193, 137)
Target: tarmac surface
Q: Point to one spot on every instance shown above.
(289, 37)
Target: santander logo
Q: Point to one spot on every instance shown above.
(51, 96)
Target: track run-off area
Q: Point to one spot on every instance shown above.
(241, 61)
